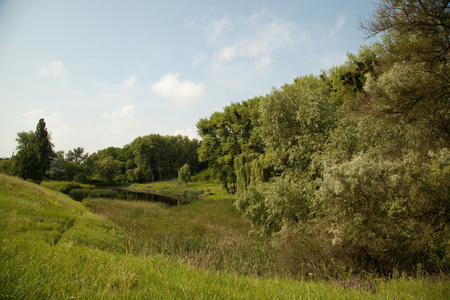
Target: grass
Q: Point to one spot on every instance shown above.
(208, 233)
(52, 247)
(173, 188)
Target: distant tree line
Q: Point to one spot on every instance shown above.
(148, 158)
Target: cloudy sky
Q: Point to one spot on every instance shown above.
(103, 72)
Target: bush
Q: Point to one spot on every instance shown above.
(390, 213)
(192, 193)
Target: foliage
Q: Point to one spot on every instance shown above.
(44, 145)
(228, 134)
(158, 157)
(393, 212)
(26, 163)
(35, 153)
(76, 155)
(184, 175)
(415, 57)
(5, 165)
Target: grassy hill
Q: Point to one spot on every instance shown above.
(52, 247)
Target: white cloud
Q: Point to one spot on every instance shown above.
(182, 92)
(198, 60)
(227, 54)
(130, 82)
(119, 121)
(339, 25)
(62, 135)
(32, 117)
(253, 40)
(54, 68)
(189, 132)
(124, 112)
(218, 26)
(264, 62)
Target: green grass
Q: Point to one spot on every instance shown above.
(65, 186)
(208, 233)
(52, 247)
(173, 188)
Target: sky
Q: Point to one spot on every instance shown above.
(104, 72)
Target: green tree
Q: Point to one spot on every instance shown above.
(158, 157)
(45, 146)
(76, 155)
(107, 168)
(26, 161)
(296, 123)
(415, 61)
(184, 175)
(5, 165)
(34, 153)
(226, 135)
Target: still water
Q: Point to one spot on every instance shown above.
(130, 195)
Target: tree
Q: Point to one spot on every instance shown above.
(226, 135)
(76, 155)
(34, 153)
(107, 168)
(57, 169)
(158, 157)
(414, 83)
(424, 23)
(45, 146)
(184, 175)
(25, 163)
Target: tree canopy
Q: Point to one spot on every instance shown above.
(34, 153)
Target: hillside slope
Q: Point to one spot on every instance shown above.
(34, 213)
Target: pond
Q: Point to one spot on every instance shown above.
(132, 195)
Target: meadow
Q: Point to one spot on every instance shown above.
(52, 247)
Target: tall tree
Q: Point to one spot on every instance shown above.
(26, 162)
(228, 134)
(35, 153)
(415, 84)
(45, 146)
(76, 155)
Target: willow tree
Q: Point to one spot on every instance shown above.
(228, 134)
(184, 175)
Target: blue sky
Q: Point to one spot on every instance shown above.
(103, 72)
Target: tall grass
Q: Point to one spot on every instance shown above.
(207, 233)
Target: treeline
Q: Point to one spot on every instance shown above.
(148, 158)
(350, 170)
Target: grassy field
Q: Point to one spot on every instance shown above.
(52, 247)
